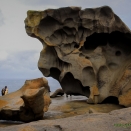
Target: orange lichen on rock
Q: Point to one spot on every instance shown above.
(47, 102)
(27, 128)
(3, 103)
(125, 99)
(94, 92)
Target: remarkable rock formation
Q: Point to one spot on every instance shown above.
(28, 103)
(88, 51)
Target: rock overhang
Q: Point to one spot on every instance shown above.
(87, 51)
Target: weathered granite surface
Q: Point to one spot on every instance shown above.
(118, 120)
(28, 103)
(88, 51)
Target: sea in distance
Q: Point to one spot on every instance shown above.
(14, 84)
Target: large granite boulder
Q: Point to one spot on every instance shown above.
(28, 103)
(88, 51)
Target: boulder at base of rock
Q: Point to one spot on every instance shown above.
(58, 92)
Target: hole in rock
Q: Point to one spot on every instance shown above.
(115, 39)
(55, 73)
(121, 41)
(47, 22)
(73, 86)
(27, 112)
(76, 46)
(118, 53)
(111, 99)
(87, 57)
(95, 40)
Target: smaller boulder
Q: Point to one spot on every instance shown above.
(28, 103)
(58, 92)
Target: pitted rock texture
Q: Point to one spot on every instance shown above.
(28, 103)
(88, 51)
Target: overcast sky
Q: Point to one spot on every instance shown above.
(19, 53)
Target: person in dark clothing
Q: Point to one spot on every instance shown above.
(4, 91)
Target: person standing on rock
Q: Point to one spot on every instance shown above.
(4, 91)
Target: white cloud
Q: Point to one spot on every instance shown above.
(13, 34)
(20, 64)
(3, 55)
(1, 18)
